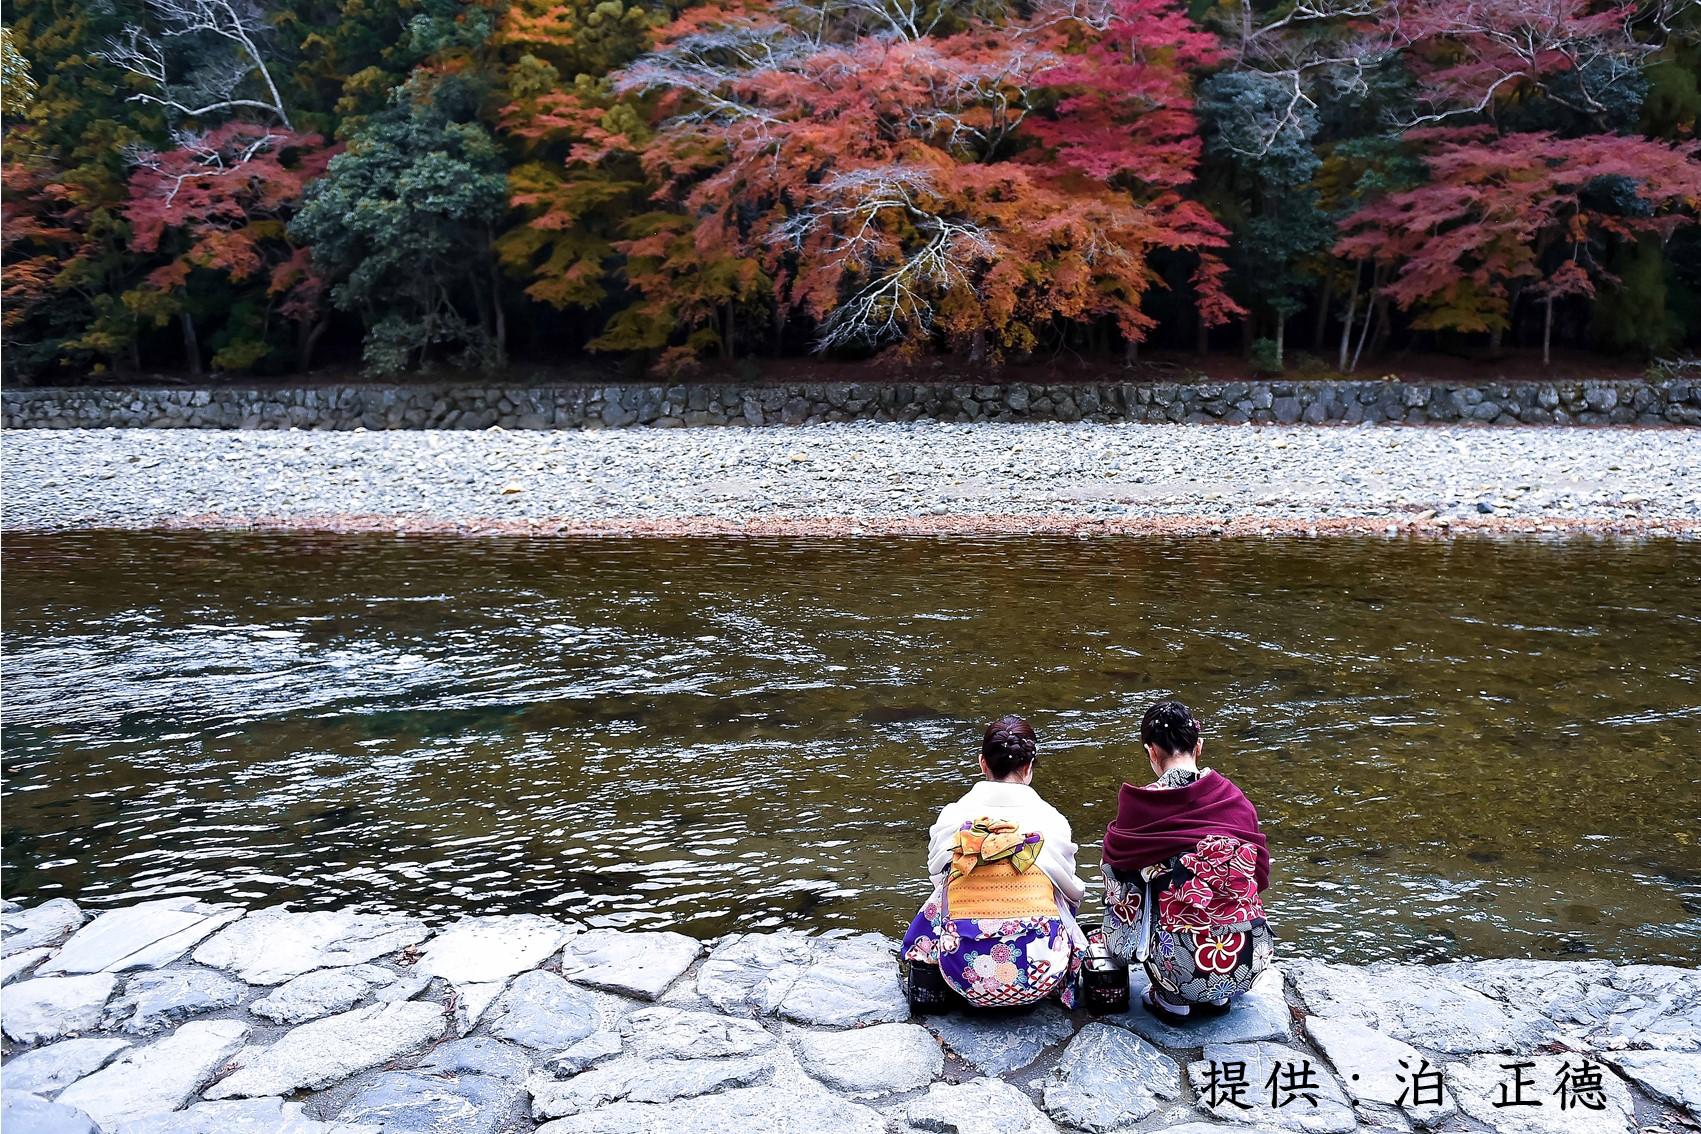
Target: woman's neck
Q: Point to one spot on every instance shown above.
(1179, 764)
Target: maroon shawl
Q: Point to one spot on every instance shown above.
(1154, 824)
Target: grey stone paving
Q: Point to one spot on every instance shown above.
(635, 964)
(143, 936)
(276, 945)
(153, 1001)
(782, 1032)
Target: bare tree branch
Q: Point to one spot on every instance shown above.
(143, 54)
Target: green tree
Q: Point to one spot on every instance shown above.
(401, 227)
(1281, 233)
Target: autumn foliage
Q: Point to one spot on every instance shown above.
(851, 178)
(1519, 211)
(221, 203)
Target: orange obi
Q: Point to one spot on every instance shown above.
(997, 891)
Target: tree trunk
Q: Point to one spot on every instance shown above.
(501, 317)
(977, 346)
(1202, 341)
(1352, 315)
(1384, 327)
(191, 345)
(309, 340)
(1547, 332)
(726, 336)
(1321, 327)
(1371, 307)
(1130, 352)
(1281, 335)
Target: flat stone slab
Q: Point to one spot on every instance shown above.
(1261, 1014)
(637, 1080)
(426, 1102)
(1316, 1104)
(540, 1010)
(1566, 991)
(472, 1001)
(47, 924)
(321, 993)
(327, 1051)
(46, 1008)
(1419, 1006)
(598, 1047)
(160, 1077)
(998, 1042)
(877, 1060)
(19, 965)
(633, 964)
(1661, 1008)
(47, 1070)
(483, 950)
(851, 982)
(677, 1033)
(154, 1001)
(241, 1116)
(22, 1113)
(143, 936)
(1670, 1076)
(1477, 1083)
(276, 945)
(400, 987)
(1109, 1078)
(751, 974)
(1378, 1069)
(980, 1106)
(753, 1110)
(479, 1056)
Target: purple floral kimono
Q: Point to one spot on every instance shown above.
(997, 962)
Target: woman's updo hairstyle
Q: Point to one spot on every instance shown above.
(1170, 726)
(1010, 745)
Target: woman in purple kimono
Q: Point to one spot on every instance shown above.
(1000, 926)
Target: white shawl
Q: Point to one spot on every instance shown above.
(1019, 804)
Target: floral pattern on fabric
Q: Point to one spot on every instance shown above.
(997, 962)
(1209, 938)
(1214, 886)
(1209, 966)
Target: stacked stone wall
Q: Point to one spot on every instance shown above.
(1619, 402)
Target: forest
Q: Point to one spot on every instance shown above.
(229, 188)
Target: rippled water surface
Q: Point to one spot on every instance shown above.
(1469, 749)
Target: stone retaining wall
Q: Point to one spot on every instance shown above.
(1626, 402)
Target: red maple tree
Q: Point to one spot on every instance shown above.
(1526, 212)
(897, 174)
(227, 197)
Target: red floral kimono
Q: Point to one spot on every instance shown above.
(1191, 911)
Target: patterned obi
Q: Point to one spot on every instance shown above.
(995, 926)
(1196, 922)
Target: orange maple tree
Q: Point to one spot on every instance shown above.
(898, 175)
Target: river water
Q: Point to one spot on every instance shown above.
(1458, 749)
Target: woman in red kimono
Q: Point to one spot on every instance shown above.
(1184, 864)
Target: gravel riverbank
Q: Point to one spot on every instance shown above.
(866, 477)
(179, 1017)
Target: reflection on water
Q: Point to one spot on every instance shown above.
(1470, 749)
